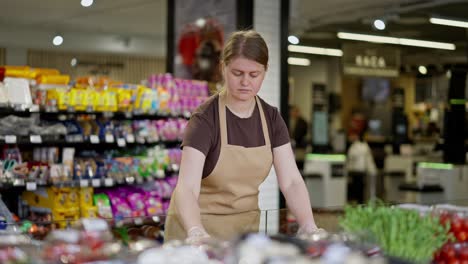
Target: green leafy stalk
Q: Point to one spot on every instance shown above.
(400, 232)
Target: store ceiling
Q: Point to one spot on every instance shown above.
(315, 22)
(142, 18)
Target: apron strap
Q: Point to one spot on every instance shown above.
(264, 123)
(222, 117)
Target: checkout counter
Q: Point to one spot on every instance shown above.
(436, 183)
(325, 178)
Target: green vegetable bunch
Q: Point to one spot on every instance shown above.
(399, 232)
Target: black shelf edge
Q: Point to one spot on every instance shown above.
(47, 140)
(83, 183)
(114, 115)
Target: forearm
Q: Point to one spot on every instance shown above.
(297, 198)
(188, 209)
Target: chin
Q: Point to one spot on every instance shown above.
(245, 96)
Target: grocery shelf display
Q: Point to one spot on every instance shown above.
(92, 137)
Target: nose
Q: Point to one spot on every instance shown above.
(244, 80)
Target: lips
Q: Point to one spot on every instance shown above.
(244, 90)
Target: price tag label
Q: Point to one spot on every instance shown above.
(139, 180)
(84, 183)
(36, 139)
(96, 182)
(10, 139)
(160, 173)
(31, 186)
(121, 142)
(18, 182)
(108, 182)
(94, 139)
(130, 180)
(109, 138)
(128, 115)
(130, 138)
(138, 221)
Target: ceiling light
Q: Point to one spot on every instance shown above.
(86, 3)
(293, 40)
(200, 22)
(422, 69)
(448, 22)
(448, 74)
(398, 41)
(315, 50)
(379, 24)
(73, 62)
(298, 61)
(58, 40)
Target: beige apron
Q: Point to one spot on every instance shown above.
(229, 195)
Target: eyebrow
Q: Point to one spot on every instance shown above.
(254, 71)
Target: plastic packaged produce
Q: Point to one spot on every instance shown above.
(90, 241)
(16, 248)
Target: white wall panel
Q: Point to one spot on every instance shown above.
(267, 23)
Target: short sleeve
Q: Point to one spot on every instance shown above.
(198, 134)
(280, 130)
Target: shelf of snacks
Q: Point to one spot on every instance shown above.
(88, 168)
(46, 90)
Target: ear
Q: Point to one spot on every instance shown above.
(222, 67)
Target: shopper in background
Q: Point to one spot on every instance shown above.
(361, 168)
(298, 130)
(230, 144)
(298, 127)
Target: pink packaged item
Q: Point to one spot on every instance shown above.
(137, 204)
(153, 205)
(120, 207)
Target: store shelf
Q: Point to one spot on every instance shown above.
(80, 141)
(32, 185)
(134, 115)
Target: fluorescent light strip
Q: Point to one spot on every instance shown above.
(397, 41)
(448, 22)
(315, 50)
(298, 61)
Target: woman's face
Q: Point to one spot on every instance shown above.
(243, 78)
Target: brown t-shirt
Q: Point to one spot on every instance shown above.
(203, 130)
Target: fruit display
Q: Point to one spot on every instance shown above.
(456, 219)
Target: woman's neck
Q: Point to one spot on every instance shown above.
(242, 109)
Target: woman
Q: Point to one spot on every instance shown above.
(230, 144)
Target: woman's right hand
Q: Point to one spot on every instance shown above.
(196, 236)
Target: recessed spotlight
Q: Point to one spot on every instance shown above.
(58, 40)
(73, 62)
(448, 74)
(200, 22)
(293, 40)
(379, 24)
(422, 69)
(86, 3)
